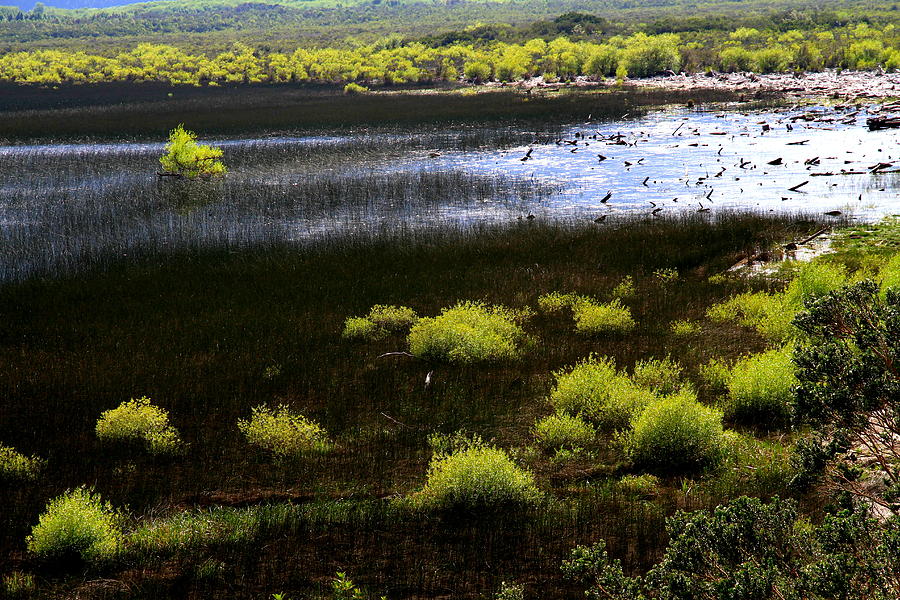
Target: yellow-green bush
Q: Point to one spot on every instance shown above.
(284, 433)
(675, 433)
(760, 389)
(77, 523)
(382, 320)
(611, 317)
(563, 431)
(684, 328)
(663, 376)
(889, 274)
(638, 486)
(188, 159)
(715, 374)
(557, 301)
(138, 420)
(468, 332)
(476, 477)
(625, 288)
(595, 391)
(15, 465)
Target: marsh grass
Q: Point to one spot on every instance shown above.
(202, 327)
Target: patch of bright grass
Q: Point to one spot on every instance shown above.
(77, 523)
(138, 419)
(760, 389)
(611, 317)
(468, 332)
(563, 431)
(284, 433)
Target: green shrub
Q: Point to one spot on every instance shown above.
(448, 443)
(17, 585)
(767, 313)
(468, 332)
(15, 465)
(477, 477)
(814, 280)
(675, 433)
(353, 89)
(662, 376)
(595, 391)
(477, 71)
(381, 321)
(563, 431)
(557, 301)
(648, 55)
(889, 274)
(638, 486)
(510, 591)
(684, 328)
(666, 276)
(139, 420)
(186, 158)
(78, 522)
(760, 389)
(716, 374)
(284, 433)
(625, 288)
(611, 317)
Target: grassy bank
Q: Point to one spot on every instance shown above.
(210, 334)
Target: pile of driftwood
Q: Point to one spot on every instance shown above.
(891, 120)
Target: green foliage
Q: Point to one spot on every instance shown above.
(644, 485)
(749, 550)
(380, 322)
(889, 275)
(16, 466)
(760, 389)
(139, 420)
(564, 431)
(77, 523)
(648, 55)
(17, 585)
(476, 477)
(663, 376)
(611, 317)
(684, 328)
(715, 374)
(343, 588)
(557, 301)
(510, 591)
(595, 391)
(624, 289)
(283, 433)
(675, 433)
(468, 332)
(352, 89)
(477, 70)
(186, 158)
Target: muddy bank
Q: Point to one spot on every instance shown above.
(844, 85)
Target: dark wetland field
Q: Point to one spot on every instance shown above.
(423, 343)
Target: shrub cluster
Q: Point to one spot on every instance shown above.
(760, 389)
(676, 433)
(563, 431)
(477, 477)
(139, 420)
(185, 157)
(468, 332)
(593, 317)
(285, 434)
(16, 466)
(77, 523)
(381, 321)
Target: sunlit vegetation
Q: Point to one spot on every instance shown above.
(760, 389)
(284, 433)
(139, 420)
(861, 46)
(16, 466)
(77, 524)
(469, 332)
(381, 321)
(186, 158)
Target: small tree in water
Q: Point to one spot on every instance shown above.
(186, 158)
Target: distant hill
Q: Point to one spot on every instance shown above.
(29, 4)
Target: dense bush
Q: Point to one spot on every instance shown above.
(468, 332)
(284, 433)
(186, 158)
(477, 477)
(648, 55)
(611, 317)
(595, 391)
(139, 420)
(77, 523)
(675, 433)
(760, 389)
(663, 376)
(563, 431)
(15, 465)
(889, 274)
(750, 550)
(381, 321)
